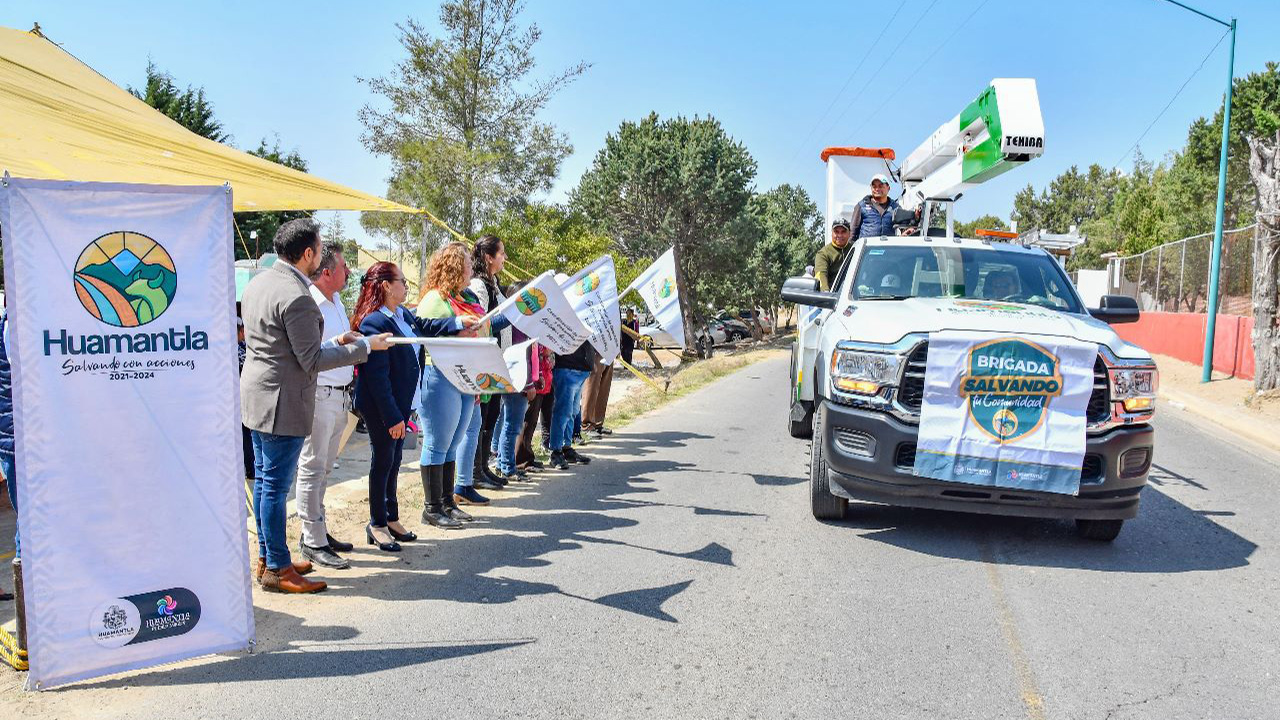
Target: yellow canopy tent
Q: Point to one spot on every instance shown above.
(61, 120)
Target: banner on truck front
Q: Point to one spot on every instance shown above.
(122, 332)
(1005, 411)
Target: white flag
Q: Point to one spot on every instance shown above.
(517, 359)
(542, 312)
(657, 285)
(122, 321)
(473, 365)
(593, 292)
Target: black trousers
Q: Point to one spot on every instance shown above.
(247, 437)
(384, 469)
(524, 449)
(489, 412)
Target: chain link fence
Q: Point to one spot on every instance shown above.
(1174, 277)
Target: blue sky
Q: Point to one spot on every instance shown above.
(767, 71)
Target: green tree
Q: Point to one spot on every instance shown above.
(790, 232)
(982, 222)
(682, 182)
(541, 236)
(265, 224)
(189, 108)
(458, 118)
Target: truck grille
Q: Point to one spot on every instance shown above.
(1099, 409)
(911, 391)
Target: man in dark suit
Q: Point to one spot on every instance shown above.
(285, 352)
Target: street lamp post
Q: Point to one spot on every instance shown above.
(1215, 263)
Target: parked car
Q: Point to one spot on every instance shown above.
(766, 322)
(734, 329)
(653, 335)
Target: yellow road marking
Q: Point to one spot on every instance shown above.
(1032, 700)
(6, 556)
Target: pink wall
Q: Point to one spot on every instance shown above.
(1181, 335)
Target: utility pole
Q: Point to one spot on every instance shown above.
(1215, 262)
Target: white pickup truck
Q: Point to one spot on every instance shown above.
(861, 357)
(859, 363)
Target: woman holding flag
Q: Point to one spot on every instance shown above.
(446, 412)
(384, 394)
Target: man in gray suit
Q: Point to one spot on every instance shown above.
(286, 351)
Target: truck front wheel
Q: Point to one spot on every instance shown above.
(1104, 530)
(826, 506)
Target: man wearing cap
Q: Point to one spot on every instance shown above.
(826, 264)
(874, 214)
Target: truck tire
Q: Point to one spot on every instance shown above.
(825, 505)
(1103, 530)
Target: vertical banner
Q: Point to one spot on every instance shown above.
(1005, 411)
(593, 292)
(657, 285)
(541, 311)
(473, 365)
(127, 423)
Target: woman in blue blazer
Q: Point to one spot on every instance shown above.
(384, 395)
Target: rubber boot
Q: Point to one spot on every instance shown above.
(433, 486)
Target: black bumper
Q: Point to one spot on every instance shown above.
(881, 471)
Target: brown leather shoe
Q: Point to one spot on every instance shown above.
(287, 580)
(302, 567)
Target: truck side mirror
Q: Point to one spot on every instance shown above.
(1115, 309)
(804, 290)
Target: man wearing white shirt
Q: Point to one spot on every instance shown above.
(320, 449)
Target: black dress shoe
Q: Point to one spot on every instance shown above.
(402, 537)
(572, 456)
(337, 545)
(494, 477)
(458, 514)
(485, 484)
(385, 547)
(324, 557)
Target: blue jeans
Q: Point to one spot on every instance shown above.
(275, 464)
(510, 423)
(7, 466)
(567, 387)
(446, 415)
(464, 467)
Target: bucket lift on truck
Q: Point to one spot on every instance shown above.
(1000, 130)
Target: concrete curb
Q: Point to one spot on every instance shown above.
(1230, 418)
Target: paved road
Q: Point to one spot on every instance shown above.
(682, 576)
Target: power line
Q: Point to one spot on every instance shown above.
(920, 67)
(1171, 100)
(892, 52)
(836, 97)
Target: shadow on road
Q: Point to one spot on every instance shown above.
(1166, 537)
(309, 653)
(567, 513)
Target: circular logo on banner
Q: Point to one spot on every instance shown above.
(668, 286)
(531, 301)
(1008, 385)
(588, 283)
(125, 279)
(114, 623)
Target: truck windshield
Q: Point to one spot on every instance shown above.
(899, 272)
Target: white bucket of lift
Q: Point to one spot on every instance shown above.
(849, 173)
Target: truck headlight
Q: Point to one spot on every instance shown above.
(863, 373)
(1135, 388)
